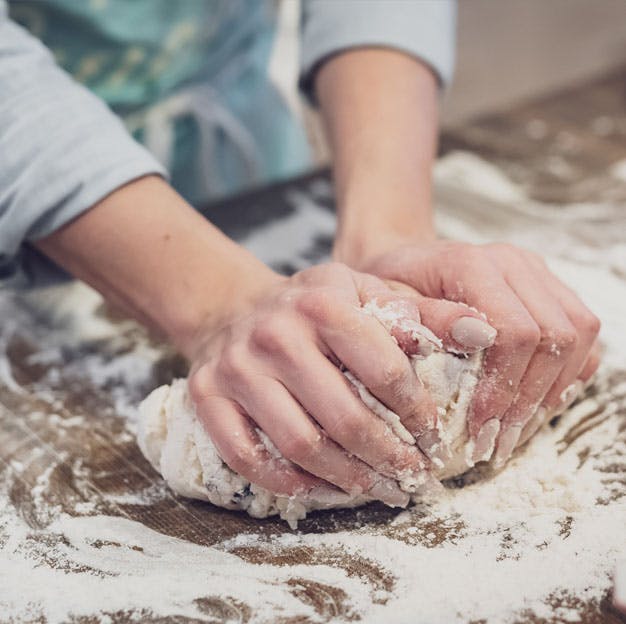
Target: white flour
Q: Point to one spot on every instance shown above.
(531, 532)
(494, 550)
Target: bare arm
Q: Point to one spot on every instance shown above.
(263, 347)
(380, 109)
(147, 251)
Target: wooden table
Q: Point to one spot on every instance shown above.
(66, 399)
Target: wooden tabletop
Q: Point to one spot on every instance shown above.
(65, 446)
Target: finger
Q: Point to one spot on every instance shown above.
(543, 415)
(240, 447)
(399, 320)
(301, 441)
(591, 363)
(364, 346)
(461, 328)
(376, 361)
(330, 399)
(505, 362)
(571, 305)
(557, 343)
(398, 310)
(587, 327)
(540, 417)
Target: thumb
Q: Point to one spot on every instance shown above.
(420, 323)
(397, 309)
(461, 329)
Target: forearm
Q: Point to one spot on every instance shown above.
(380, 112)
(147, 251)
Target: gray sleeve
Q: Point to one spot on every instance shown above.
(61, 148)
(422, 28)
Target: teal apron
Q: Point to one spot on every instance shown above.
(188, 77)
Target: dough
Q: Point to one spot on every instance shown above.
(177, 445)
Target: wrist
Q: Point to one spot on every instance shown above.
(382, 204)
(369, 229)
(383, 142)
(154, 257)
(207, 311)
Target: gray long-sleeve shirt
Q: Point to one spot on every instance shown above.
(62, 149)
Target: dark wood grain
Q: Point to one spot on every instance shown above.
(558, 148)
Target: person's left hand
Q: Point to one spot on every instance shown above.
(546, 344)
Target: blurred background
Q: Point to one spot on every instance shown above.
(507, 51)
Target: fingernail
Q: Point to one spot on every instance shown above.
(486, 441)
(532, 426)
(432, 446)
(429, 485)
(328, 496)
(570, 394)
(506, 444)
(473, 333)
(389, 493)
(420, 482)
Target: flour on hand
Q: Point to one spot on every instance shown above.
(178, 446)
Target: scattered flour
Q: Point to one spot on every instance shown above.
(510, 543)
(619, 596)
(618, 170)
(178, 446)
(550, 525)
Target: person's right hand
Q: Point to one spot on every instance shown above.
(274, 367)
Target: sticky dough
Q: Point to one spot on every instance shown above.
(177, 445)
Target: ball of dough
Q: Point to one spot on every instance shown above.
(177, 445)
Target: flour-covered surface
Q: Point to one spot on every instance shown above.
(89, 532)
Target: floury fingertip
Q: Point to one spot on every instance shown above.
(533, 425)
(328, 496)
(431, 444)
(486, 440)
(389, 493)
(506, 445)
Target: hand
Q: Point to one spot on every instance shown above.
(546, 343)
(274, 368)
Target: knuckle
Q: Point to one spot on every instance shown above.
(566, 339)
(467, 252)
(394, 378)
(346, 427)
(524, 337)
(559, 341)
(240, 459)
(589, 323)
(317, 305)
(198, 383)
(472, 257)
(232, 364)
(534, 258)
(301, 448)
(270, 335)
(335, 267)
(324, 272)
